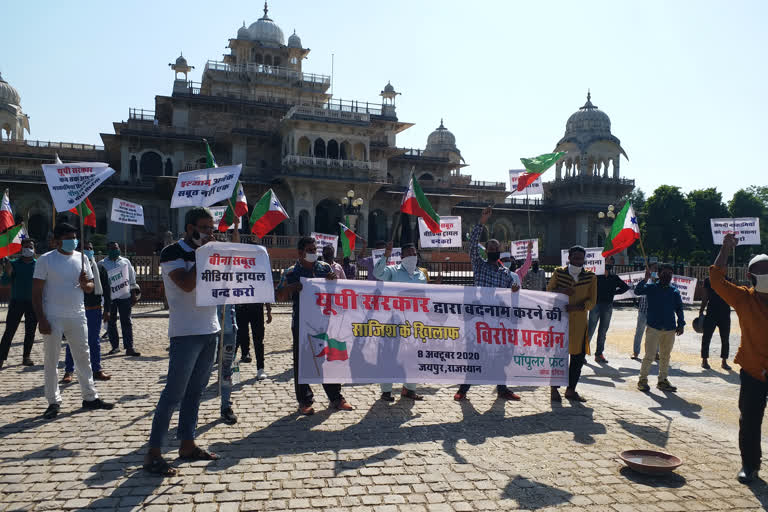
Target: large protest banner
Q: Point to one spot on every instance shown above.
(593, 261)
(119, 287)
(218, 214)
(394, 258)
(519, 249)
(205, 187)
(746, 230)
(323, 240)
(450, 235)
(534, 188)
(229, 273)
(126, 212)
(686, 285)
(363, 332)
(631, 278)
(70, 184)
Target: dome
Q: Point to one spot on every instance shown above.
(441, 139)
(242, 32)
(588, 120)
(294, 41)
(8, 95)
(181, 62)
(264, 30)
(390, 88)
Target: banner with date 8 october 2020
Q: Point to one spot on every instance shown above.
(366, 332)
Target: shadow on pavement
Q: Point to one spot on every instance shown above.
(667, 481)
(531, 495)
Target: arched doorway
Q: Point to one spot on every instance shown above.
(319, 148)
(151, 165)
(327, 217)
(38, 227)
(304, 223)
(377, 227)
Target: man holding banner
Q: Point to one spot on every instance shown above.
(122, 296)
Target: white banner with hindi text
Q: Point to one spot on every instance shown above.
(686, 285)
(366, 331)
(449, 237)
(593, 261)
(394, 258)
(323, 240)
(119, 287)
(534, 188)
(746, 230)
(70, 184)
(519, 249)
(126, 212)
(205, 187)
(229, 273)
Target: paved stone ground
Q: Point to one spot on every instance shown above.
(436, 455)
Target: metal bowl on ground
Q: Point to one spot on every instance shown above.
(650, 462)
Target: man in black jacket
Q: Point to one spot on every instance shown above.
(608, 285)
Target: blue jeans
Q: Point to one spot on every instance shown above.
(123, 307)
(230, 345)
(93, 316)
(189, 368)
(602, 312)
(642, 318)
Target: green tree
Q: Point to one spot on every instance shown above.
(761, 192)
(706, 204)
(749, 203)
(667, 223)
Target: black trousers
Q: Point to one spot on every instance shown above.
(501, 388)
(253, 315)
(721, 320)
(752, 397)
(575, 366)
(17, 309)
(304, 393)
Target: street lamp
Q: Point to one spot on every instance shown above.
(607, 218)
(351, 207)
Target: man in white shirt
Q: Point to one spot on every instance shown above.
(122, 301)
(60, 279)
(194, 332)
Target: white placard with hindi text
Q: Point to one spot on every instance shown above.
(394, 258)
(631, 278)
(126, 212)
(450, 235)
(519, 249)
(534, 188)
(323, 240)
(686, 285)
(746, 230)
(218, 214)
(119, 287)
(593, 261)
(205, 187)
(70, 184)
(229, 273)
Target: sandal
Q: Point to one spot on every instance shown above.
(159, 466)
(199, 454)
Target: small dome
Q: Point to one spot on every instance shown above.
(242, 32)
(8, 95)
(266, 31)
(181, 62)
(441, 139)
(294, 41)
(588, 119)
(390, 88)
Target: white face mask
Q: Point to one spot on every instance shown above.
(507, 264)
(762, 283)
(409, 263)
(310, 257)
(574, 270)
(27, 252)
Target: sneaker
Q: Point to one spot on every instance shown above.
(97, 403)
(726, 366)
(132, 353)
(407, 393)
(27, 362)
(386, 396)
(643, 386)
(101, 375)
(307, 410)
(246, 358)
(67, 378)
(635, 356)
(601, 359)
(113, 351)
(228, 415)
(459, 396)
(509, 395)
(705, 364)
(261, 374)
(52, 411)
(664, 385)
(747, 476)
(342, 405)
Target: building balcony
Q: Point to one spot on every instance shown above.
(22, 175)
(376, 171)
(583, 179)
(273, 73)
(324, 113)
(64, 146)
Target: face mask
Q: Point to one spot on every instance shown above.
(69, 245)
(88, 253)
(27, 252)
(310, 257)
(654, 275)
(507, 264)
(761, 282)
(574, 270)
(493, 257)
(199, 238)
(113, 254)
(409, 263)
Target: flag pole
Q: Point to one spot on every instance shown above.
(221, 345)
(125, 238)
(642, 250)
(82, 238)
(528, 204)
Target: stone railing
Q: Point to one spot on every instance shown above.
(298, 111)
(331, 163)
(22, 174)
(69, 146)
(272, 71)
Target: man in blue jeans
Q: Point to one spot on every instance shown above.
(121, 302)
(227, 358)
(608, 286)
(642, 316)
(194, 332)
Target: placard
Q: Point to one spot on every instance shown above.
(519, 249)
(218, 214)
(230, 273)
(534, 188)
(394, 258)
(204, 187)
(323, 240)
(366, 331)
(746, 230)
(686, 285)
(631, 278)
(70, 184)
(119, 287)
(593, 261)
(450, 235)
(126, 212)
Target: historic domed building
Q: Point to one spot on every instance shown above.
(13, 121)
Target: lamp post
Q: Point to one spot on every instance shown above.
(351, 208)
(607, 219)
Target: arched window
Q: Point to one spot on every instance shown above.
(258, 58)
(134, 167)
(277, 61)
(426, 177)
(150, 165)
(168, 167)
(319, 148)
(304, 147)
(500, 232)
(333, 149)
(267, 60)
(359, 152)
(345, 150)
(327, 216)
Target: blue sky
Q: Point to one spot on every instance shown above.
(683, 82)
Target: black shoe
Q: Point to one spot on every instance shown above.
(246, 358)
(28, 362)
(98, 403)
(228, 416)
(705, 365)
(386, 396)
(52, 411)
(132, 353)
(113, 351)
(726, 366)
(747, 476)
(2, 361)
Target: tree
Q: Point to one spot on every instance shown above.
(761, 192)
(637, 198)
(749, 203)
(667, 223)
(706, 204)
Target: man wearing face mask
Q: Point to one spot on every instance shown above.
(18, 274)
(120, 306)
(664, 302)
(404, 272)
(490, 273)
(288, 289)
(194, 333)
(59, 281)
(92, 303)
(535, 279)
(328, 258)
(751, 305)
(580, 286)
(608, 286)
(642, 315)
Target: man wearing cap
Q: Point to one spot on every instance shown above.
(404, 272)
(751, 305)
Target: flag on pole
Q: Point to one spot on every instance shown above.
(624, 232)
(209, 160)
(416, 203)
(6, 214)
(10, 241)
(332, 349)
(88, 212)
(241, 208)
(348, 238)
(535, 167)
(267, 214)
